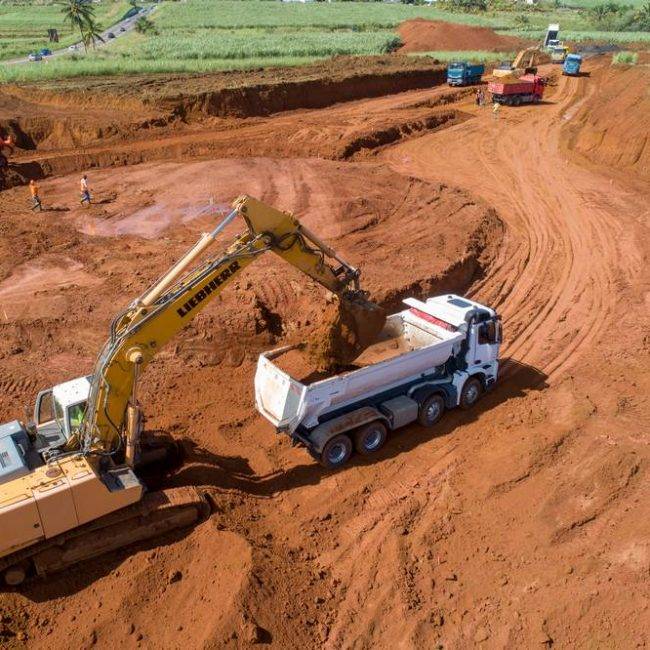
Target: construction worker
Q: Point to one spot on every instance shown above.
(33, 190)
(479, 96)
(85, 192)
(495, 110)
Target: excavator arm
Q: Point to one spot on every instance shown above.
(112, 416)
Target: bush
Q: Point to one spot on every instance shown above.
(608, 15)
(464, 5)
(625, 58)
(392, 45)
(640, 20)
(145, 26)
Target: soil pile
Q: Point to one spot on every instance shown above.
(420, 35)
(612, 128)
(348, 326)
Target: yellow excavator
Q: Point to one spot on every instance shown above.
(525, 62)
(70, 481)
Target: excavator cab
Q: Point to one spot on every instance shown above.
(59, 412)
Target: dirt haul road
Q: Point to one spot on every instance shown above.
(523, 523)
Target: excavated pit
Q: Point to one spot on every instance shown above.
(519, 523)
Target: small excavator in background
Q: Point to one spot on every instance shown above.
(527, 60)
(71, 482)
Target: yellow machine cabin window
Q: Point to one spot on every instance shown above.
(76, 415)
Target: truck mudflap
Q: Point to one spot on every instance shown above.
(323, 432)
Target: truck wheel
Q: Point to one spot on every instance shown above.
(370, 438)
(431, 410)
(336, 452)
(15, 575)
(471, 393)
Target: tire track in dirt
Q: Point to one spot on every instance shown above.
(555, 281)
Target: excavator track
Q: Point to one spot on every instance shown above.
(155, 514)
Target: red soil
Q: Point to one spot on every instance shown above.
(522, 523)
(420, 35)
(622, 142)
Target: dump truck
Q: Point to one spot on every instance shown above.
(432, 356)
(462, 73)
(551, 36)
(73, 482)
(515, 91)
(571, 66)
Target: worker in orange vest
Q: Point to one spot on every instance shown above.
(36, 200)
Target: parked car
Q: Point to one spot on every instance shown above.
(34, 56)
(122, 29)
(110, 35)
(45, 52)
(73, 48)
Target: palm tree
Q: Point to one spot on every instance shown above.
(80, 14)
(91, 36)
(642, 16)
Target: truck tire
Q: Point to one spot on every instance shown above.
(471, 393)
(15, 575)
(431, 410)
(370, 438)
(336, 452)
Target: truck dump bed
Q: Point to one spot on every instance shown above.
(411, 344)
(512, 86)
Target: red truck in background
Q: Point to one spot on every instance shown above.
(528, 88)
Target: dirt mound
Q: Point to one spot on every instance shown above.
(347, 328)
(356, 207)
(612, 127)
(420, 35)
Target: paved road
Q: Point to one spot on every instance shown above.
(120, 29)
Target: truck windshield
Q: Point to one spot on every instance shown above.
(456, 66)
(76, 415)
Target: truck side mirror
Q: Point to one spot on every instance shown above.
(498, 332)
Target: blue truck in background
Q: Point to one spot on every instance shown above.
(571, 65)
(462, 73)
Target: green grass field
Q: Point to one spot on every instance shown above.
(23, 26)
(588, 4)
(203, 35)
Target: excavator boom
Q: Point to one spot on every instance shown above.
(139, 333)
